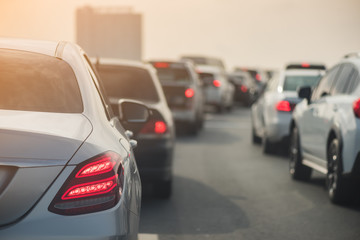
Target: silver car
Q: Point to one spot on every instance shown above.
(67, 169)
(271, 113)
(325, 131)
(184, 93)
(219, 91)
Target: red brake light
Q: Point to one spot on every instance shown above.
(93, 186)
(305, 65)
(283, 106)
(160, 127)
(90, 189)
(189, 93)
(154, 126)
(216, 83)
(102, 166)
(243, 88)
(161, 65)
(258, 77)
(356, 107)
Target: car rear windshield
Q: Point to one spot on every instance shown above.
(173, 73)
(293, 82)
(128, 82)
(207, 78)
(36, 82)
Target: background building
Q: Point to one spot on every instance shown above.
(114, 32)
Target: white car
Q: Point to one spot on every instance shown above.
(271, 113)
(325, 130)
(219, 91)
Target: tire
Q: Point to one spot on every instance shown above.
(268, 147)
(297, 170)
(163, 189)
(255, 138)
(338, 187)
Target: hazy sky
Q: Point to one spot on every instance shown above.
(264, 33)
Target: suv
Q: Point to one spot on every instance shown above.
(183, 91)
(154, 154)
(325, 130)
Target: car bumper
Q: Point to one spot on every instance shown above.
(278, 128)
(154, 158)
(184, 115)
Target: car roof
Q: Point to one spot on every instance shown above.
(208, 68)
(49, 48)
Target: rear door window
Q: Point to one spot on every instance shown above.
(36, 82)
(325, 84)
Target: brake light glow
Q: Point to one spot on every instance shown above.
(216, 83)
(90, 189)
(189, 93)
(356, 107)
(305, 65)
(94, 185)
(160, 127)
(161, 65)
(283, 106)
(258, 77)
(243, 88)
(102, 166)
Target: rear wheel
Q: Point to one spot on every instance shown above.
(267, 146)
(163, 189)
(297, 170)
(339, 188)
(255, 138)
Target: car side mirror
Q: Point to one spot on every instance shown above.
(305, 92)
(133, 111)
(133, 114)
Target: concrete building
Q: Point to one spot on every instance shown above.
(109, 32)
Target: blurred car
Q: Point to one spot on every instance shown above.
(219, 91)
(156, 140)
(259, 76)
(204, 60)
(67, 169)
(271, 114)
(184, 92)
(325, 131)
(246, 89)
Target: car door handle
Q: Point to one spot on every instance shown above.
(133, 143)
(129, 134)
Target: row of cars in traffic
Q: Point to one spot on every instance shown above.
(71, 128)
(314, 115)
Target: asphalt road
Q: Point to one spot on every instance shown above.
(225, 188)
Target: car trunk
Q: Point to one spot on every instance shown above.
(175, 95)
(34, 148)
(292, 98)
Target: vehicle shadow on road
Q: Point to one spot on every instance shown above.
(193, 209)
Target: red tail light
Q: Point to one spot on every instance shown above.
(93, 186)
(189, 93)
(283, 106)
(161, 65)
(258, 77)
(216, 83)
(356, 108)
(243, 89)
(305, 65)
(154, 126)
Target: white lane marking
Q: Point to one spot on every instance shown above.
(144, 236)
